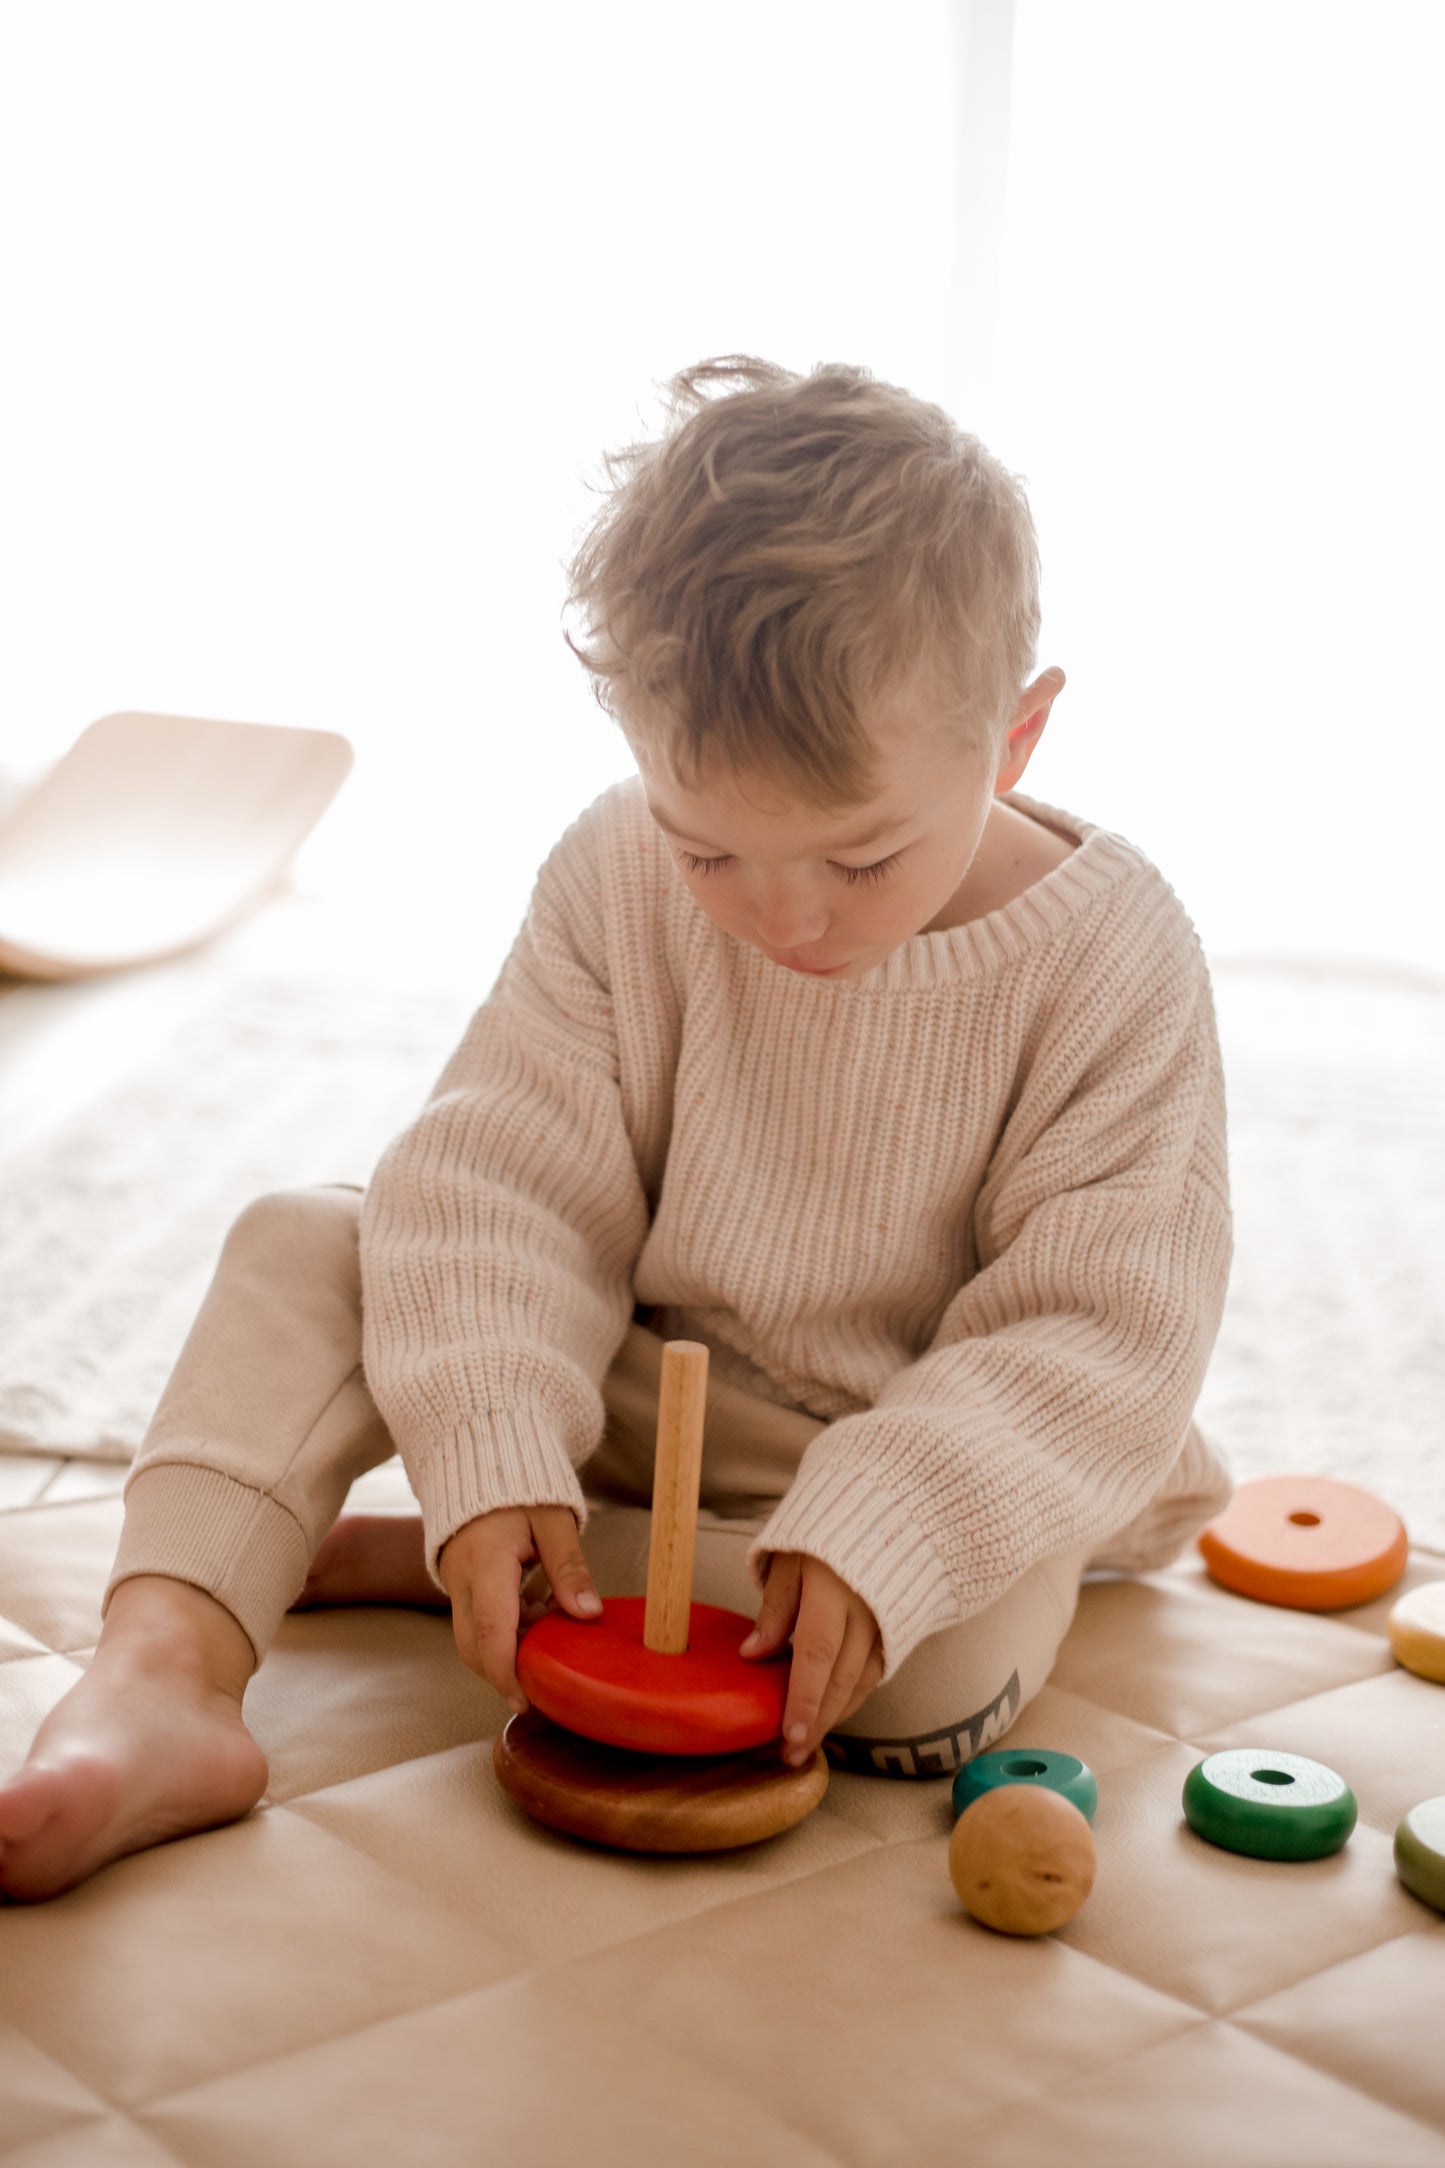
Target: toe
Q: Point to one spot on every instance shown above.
(27, 1803)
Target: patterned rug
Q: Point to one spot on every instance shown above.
(1331, 1357)
(111, 1225)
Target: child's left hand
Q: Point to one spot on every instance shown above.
(837, 1652)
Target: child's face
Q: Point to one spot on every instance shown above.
(804, 887)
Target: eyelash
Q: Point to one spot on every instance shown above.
(874, 872)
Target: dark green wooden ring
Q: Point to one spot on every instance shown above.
(1269, 1805)
(1026, 1765)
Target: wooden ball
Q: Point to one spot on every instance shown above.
(1022, 1859)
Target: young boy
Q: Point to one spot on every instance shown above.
(820, 1043)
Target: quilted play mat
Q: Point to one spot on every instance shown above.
(388, 1961)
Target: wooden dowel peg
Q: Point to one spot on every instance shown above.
(658, 1673)
(676, 1485)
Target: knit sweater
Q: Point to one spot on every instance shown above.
(969, 1209)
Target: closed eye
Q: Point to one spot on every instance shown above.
(874, 872)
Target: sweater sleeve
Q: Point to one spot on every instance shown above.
(500, 1230)
(1060, 1384)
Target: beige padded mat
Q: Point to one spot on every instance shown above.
(386, 1962)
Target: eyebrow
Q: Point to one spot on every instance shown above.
(883, 828)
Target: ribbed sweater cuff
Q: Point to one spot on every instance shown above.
(847, 1519)
(493, 1458)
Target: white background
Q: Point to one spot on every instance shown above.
(317, 319)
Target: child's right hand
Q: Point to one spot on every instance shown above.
(482, 1567)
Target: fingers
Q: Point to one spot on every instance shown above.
(828, 1666)
(486, 1619)
(536, 1595)
(561, 1554)
(480, 1566)
(779, 1606)
(837, 1653)
(868, 1678)
(483, 1566)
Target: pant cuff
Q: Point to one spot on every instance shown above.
(199, 1525)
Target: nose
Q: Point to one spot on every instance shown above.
(789, 916)
(789, 933)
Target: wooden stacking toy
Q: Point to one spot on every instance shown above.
(648, 1731)
(1269, 1805)
(1022, 1858)
(1306, 1541)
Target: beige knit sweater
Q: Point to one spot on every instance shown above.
(969, 1209)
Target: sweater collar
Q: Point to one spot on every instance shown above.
(985, 946)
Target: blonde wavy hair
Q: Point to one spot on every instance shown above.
(790, 554)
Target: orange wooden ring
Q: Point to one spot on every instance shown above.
(597, 1677)
(1306, 1541)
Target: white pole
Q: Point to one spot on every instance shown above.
(982, 57)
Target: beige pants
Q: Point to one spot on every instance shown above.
(266, 1422)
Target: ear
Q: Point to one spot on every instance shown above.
(1027, 728)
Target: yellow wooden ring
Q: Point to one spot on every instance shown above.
(1417, 1630)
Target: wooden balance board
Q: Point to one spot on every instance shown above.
(152, 834)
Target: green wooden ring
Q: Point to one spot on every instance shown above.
(1026, 1765)
(1256, 1800)
(1420, 1852)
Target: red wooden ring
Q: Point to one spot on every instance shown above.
(596, 1677)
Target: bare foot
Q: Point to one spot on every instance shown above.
(143, 1748)
(372, 1558)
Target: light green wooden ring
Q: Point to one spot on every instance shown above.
(1420, 1852)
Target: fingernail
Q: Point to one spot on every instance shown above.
(751, 1643)
(797, 1731)
(589, 1600)
(516, 1704)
